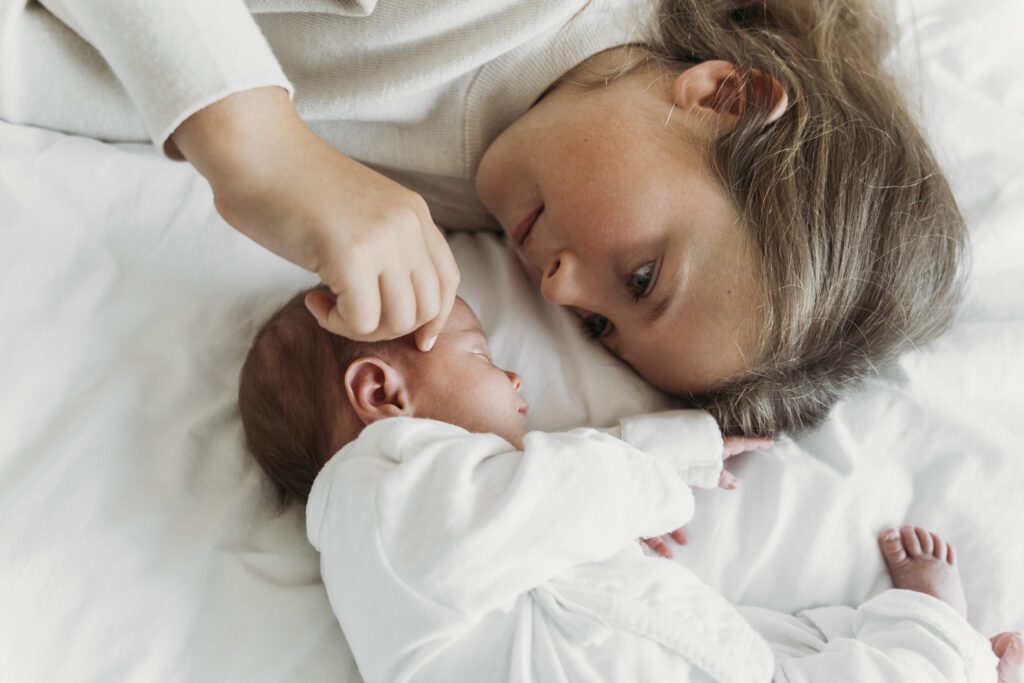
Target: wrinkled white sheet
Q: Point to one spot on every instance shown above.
(137, 542)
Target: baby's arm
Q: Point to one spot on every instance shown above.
(467, 521)
(688, 438)
(692, 439)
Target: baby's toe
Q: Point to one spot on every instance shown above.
(1009, 647)
(892, 547)
(938, 547)
(1015, 650)
(910, 541)
(926, 540)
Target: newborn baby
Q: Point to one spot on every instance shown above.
(455, 546)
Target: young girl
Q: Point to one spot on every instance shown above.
(731, 194)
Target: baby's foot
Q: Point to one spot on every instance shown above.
(920, 561)
(1009, 647)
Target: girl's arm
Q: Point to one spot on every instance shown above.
(371, 241)
(468, 522)
(209, 88)
(174, 57)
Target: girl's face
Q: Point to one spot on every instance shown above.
(613, 212)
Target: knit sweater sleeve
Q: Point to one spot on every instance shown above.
(175, 57)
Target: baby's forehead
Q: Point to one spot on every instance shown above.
(463, 320)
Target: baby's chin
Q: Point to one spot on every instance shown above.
(514, 434)
(512, 430)
(517, 441)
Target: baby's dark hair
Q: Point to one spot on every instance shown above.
(291, 395)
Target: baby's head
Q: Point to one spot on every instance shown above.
(304, 392)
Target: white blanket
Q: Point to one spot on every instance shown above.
(138, 542)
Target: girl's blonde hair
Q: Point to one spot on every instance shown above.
(858, 236)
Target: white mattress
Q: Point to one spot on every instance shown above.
(137, 541)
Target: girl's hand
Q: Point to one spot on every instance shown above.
(371, 241)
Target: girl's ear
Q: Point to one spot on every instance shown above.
(376, 390)
(718, 88)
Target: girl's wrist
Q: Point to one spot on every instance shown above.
(232, 141)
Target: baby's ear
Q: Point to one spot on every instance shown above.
(376, 390)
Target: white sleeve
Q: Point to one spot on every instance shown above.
(689, 440)
(470, 523)
(175, 57)
(895, 637)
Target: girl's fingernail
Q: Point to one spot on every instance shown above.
(429, 344)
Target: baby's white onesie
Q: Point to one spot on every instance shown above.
(898, 636)
(453, 556)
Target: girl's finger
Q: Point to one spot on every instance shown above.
(448, 281)
(398, 304)
(325, 307)
(727, 480)
(357, 307)
(679, 536)
(320, 304)
(428, 296)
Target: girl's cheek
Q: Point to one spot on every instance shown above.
(532, 272)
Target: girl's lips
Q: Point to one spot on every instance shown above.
(524, 228)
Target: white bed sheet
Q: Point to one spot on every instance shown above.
(137, 541)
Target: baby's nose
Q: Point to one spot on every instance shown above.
(516, 380)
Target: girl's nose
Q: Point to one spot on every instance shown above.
(516, 380)
(559, 282)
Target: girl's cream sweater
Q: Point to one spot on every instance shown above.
(417, 90)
